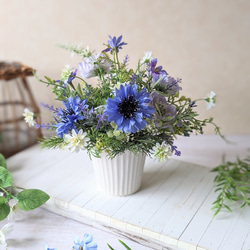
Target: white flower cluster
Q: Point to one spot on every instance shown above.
(75, 141)
(162, 151)
(29, 117)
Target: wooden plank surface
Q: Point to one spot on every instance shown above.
(170, 211)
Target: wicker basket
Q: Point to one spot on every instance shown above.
(15, 95)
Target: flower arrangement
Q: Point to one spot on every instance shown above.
(140, 109)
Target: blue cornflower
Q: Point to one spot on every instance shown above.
(114, 44)
(86, 244)
(129, 108)
(69, 115)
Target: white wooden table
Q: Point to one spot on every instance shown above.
(172, 210)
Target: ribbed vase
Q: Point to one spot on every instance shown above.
(121, 175)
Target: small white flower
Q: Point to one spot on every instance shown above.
(65, 73)
(76, 141)
(3, 232)
(147, 57)
(89, 67)
(211, 100)
(15, 212)
(162, 151)
(29, 117)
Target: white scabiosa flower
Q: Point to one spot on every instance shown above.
(147, 57)
(210, 100)
(29, 117)
(89, 67)
(75, 141)
(162, 151)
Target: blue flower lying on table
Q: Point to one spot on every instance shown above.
(87, 244)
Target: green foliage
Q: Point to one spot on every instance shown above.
(51, 142)
(26, 199)
(4, 208)
(4, 211)
(126, 246)
(2, 161)
(5, 177)
(232, 182)
(76, 49)
(31, 198)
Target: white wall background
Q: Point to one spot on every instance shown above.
(206, 43)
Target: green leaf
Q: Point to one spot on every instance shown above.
(5, 178)
(128, 248)
(31, 198)
(228, 208)
(2, 161)
(4, 211)
(110, 247)
(2, 200)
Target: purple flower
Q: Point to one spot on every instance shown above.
(101, 119)
(176, 152)
(114, 44)
(165, 112)
(50, 108)
(72, 76)
(156, 72)
(67, 76)
(125, 61)
(168, 85)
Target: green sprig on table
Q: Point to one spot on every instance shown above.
(125, 245)
(27, 199)
(232, 182)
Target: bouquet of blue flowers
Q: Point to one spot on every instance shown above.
(140, 109)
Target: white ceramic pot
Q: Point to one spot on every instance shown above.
(121, 175)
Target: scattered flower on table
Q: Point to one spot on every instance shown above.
(47, 247)
(85, 244)
(139, 109)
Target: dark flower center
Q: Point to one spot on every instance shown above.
(66, 112)
(128, 107)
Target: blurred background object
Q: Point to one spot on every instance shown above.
(15, 96)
